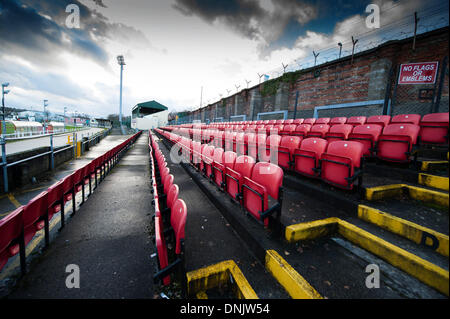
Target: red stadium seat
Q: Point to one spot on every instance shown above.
(298, 121)
(288, 129)
(229, 159)
(338, 120)
(367, 135)
(397, 141)
(311, 121)
(34, 216)
(216, 158)
(230, 140)
(11, 228)
(323, 120)
(205, 164)
(434, 128)
(266, 180)
(338, 132)
(319, 130)
(242, 143)
(178, 221)
(302, 130)
(269, 153)
(288, 145)
(406, 118)
(357, 120)
(234, 177)
(55, 198)
(306, 158)
(161, 248)
(258, 141)
(382, 120)
(340, 165)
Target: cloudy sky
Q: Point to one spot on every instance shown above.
(173, 48)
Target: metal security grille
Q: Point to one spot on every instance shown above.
(421, 98)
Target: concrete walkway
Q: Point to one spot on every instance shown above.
(107, 239)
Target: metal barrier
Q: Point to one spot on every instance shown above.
(102, 165)
(5, 165)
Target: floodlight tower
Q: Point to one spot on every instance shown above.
(3, 141)
(4, 92)
(121, 62)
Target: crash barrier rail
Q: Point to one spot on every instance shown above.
(19, 227)
(51, 153)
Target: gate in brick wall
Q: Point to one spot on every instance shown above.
(420, 88)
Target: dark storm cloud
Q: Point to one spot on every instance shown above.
(37, 30)
(248, 17)
(235, 13)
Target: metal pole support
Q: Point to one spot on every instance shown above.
(5, 167)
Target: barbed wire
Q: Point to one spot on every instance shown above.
(399, 29)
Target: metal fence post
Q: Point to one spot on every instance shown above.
(74, 145)
(5, 167)
(52, 156)
(437, 100)
(295, 106)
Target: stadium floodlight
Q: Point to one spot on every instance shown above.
(121, 62)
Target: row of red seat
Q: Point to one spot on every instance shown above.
(431, 129)
(256, 186)
(19, 227)
(170, 216)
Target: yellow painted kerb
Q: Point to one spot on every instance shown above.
(439, 182)
(404, 228)
(417, 267)
(289, 278)
(202, 279)
(418, 193)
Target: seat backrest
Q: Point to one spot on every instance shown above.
(229, 158)
(379, 119)
(298, 121)
(244, 165)
(168, 181)
(344, 129)
(208, 151)
(348, 149)
(268, 175)
(304, 128)
(178, 217)
(218, 155)
(290, 142)
(323, 120)
(273, 140)
(338, 120)
(35, 208)
(320, 128)
(10, 228)
(403, 129)
(309, 121)
(314, 144)
(370, 129)
(356, 120)
(406, 118)
(68, 183)
(435, 118)
(172, 195)
(55, 193)
(289, 128)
